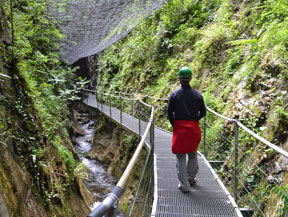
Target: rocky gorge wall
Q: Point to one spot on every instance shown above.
(36, 170)
(113, 146)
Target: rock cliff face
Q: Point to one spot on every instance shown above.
(34, 178)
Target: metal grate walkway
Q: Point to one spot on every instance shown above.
(208, 197)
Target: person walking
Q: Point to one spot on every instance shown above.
(185, 108)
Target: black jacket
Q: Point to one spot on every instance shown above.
(186, 103)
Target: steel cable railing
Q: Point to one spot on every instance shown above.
(116, 106)
(253, 179)
(249, 189)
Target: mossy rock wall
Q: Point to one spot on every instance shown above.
(114, 146)
(36, 169)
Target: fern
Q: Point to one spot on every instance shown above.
(282, 193)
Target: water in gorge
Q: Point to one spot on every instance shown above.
(99, 181)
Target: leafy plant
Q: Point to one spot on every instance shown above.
(282, 193)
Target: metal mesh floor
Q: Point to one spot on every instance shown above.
(206, 199)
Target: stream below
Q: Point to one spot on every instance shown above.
(99, 181)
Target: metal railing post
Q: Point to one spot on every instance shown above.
(85, 96)
(235, 184)
(101, 101)
(139, 105)
(132, 107)
(110, 112)
(204, 137)
(152, 135)
(121, 108)
(97, 99)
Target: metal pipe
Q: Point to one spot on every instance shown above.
(87, 99)
(132, 107)
(121, 108)
(110, 112)
(109, 200)
(150, 106)
(204, 137)
(221, 116)
(152, 136)
(101, 101)
(124, 178)
(235, 184)
(97, 99)
(112, 198)
(140, 182)
(139, 122)
(3, 76)
(276, 148)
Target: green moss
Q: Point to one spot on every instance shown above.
(34, 115)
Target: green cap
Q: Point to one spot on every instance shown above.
(185, 73)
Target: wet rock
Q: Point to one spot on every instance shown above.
(3, 207)
(77, 130)
(278, 167)
(91, 126)
(90, 139)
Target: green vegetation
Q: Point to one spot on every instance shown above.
(238, 54)
(34, 106)
(282, 192)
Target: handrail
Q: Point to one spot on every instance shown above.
(118, 190)
(127, 94)
(276, 148)
(4, 76)
(145, 103)
(219, 115)
(124, 178)
(107, 94)
(152, 97)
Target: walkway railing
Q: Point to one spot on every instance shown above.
(255, 184)
(143, 197)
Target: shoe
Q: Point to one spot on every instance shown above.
(192, 181)
(181, 189)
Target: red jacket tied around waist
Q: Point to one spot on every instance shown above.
(186, 136)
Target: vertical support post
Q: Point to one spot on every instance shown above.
(87, 98)
(132, 107)
(204, 137)
(97, 99)
(139, 118)
(121, 108)
(235, 184)
(101, 101)
(110, 105)
(152, 136)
